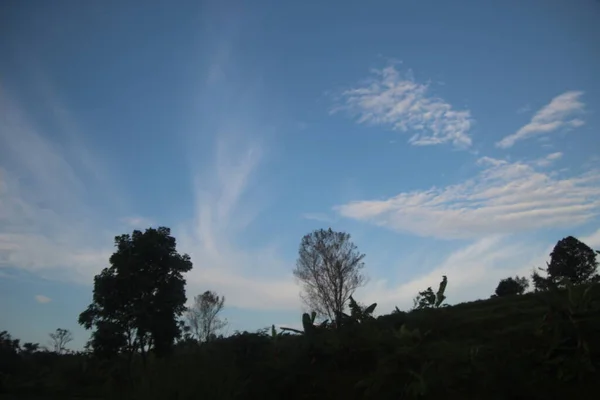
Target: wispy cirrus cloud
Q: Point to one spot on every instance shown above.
(320, 217)
(504, 197)
(592, 240)
(397, 101)
(473, 272)
(42, 299)
(138, 222)
(46, 227)
(561, 113)
(549, 159)
(250, 278)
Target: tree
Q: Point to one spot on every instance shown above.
(30, 348)
(511, 286)
(138, 299)
(203, 317)
(429, 299)
(329, 269)
(59, 339)
(570, 260)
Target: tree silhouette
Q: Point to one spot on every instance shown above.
(429, 299)
(59, 339)
(203, 317)
(511, 286)
(570, 260)
(329, 269)
(138, 299)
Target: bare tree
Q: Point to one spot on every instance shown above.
(59, 339)
(203, 317)
(329, 269)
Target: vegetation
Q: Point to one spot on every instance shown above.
(329, 269)
(570, 261)
(429, 299)
(59, 340)
(512, 286)
(138, 299)
(537, 345)
(203, 317)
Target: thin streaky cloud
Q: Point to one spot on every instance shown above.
(504, 197)
(138, 222)
(473, 272)
(46, 227)
(549, 159)
(254, 278)
(397, 101)
(320, 217)
(42, 299)
(560, 114)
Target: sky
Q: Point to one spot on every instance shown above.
(448, 138)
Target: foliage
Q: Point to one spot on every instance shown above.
(329, 268)
(138, 299)
(59, 339)
(569, 329)
(534, 346)
(429, 299)
(537, 345)
(570, 259)
(511, 286)
(203, 317)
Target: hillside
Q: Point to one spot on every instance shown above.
(534, 346)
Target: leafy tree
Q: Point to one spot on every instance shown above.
(30, 348)
(138, 299)
(570, 260)
(203, 317)
(510, 286)
(429, 299)
(9, 355)
(329, 269)
(59, 339)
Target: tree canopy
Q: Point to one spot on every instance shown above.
(512, 286)
(329, 268)
(203, 316)
(59, 340)
(570, 260)
(138, 299)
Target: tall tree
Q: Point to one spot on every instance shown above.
(138, 299)
(59, 340)
(329, 268)
(570, 259)
(511, 286)
(203, 316)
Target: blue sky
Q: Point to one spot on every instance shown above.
(448, 138)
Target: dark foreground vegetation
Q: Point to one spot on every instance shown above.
(538, 345)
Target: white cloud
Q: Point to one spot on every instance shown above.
(503, 197)
(320, 217)
(138, 222)
(397, 101)
(524, 109)
(42, 299)
(473, 273)
(549, 159)
(592, 240)
(254, 278)
(45, 226)
(558, 115)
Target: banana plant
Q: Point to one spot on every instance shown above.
(308, 324)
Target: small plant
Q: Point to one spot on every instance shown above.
(429, 299)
